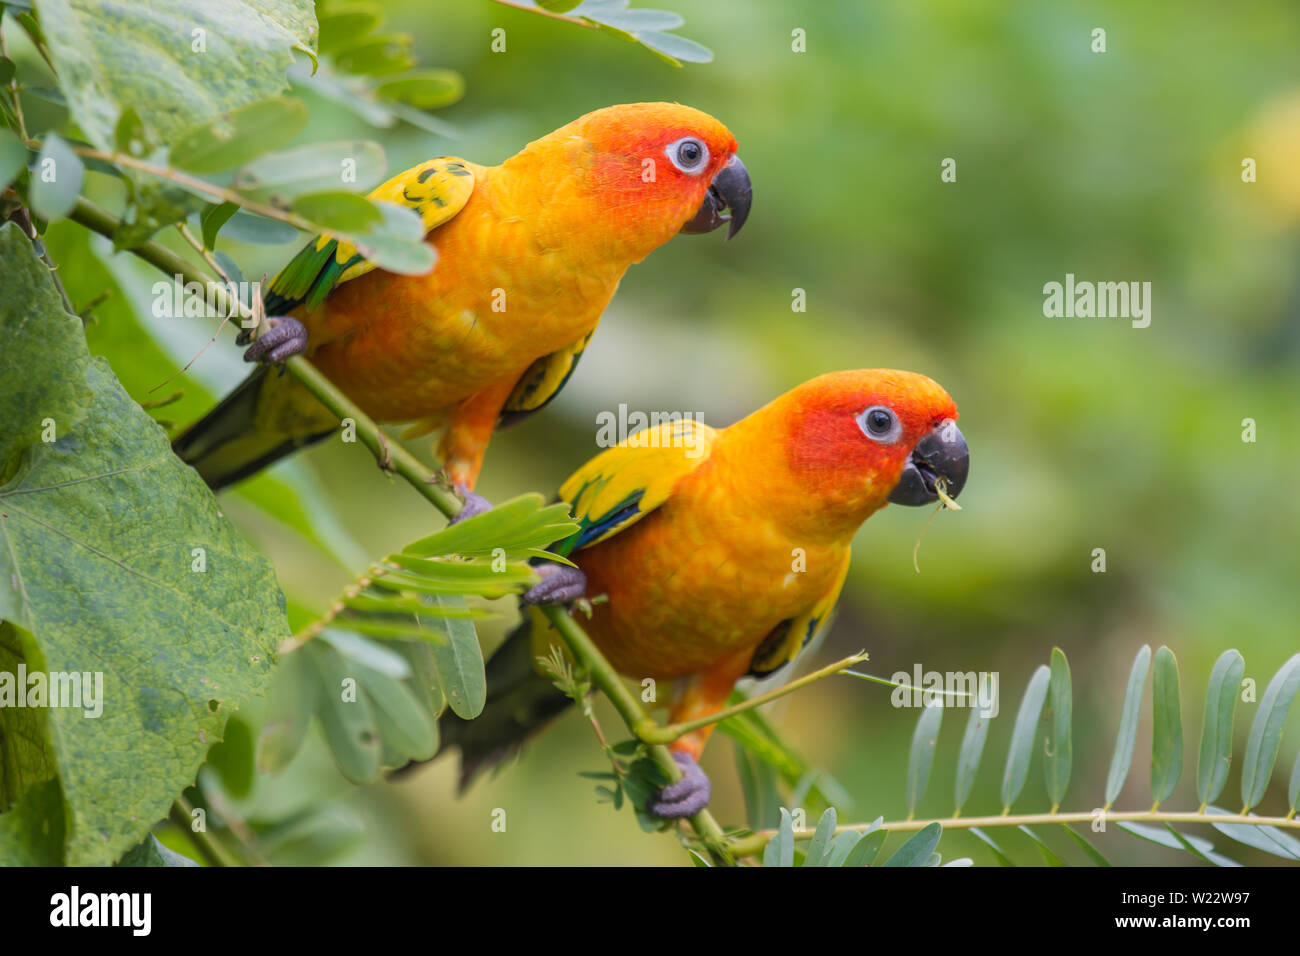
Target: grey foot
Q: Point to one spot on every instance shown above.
(284, 338)
(559, 584)
(474, 505)
(685, 798)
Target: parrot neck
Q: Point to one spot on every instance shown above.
(606, 222)
(821, 509)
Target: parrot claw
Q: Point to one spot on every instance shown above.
(687, 796)
(284, 338)
(560, 584)
(474, 505)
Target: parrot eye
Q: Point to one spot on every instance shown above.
(879, 424)
(688, 154)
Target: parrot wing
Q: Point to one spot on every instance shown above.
(788, 638)
(437, 190)
(538, 386)
(622, 485)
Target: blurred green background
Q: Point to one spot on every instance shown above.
(1085, 433)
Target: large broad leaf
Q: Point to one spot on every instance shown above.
(178, 64)
(114, 563)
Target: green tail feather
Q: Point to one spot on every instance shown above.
(519, 703)
(226, 446)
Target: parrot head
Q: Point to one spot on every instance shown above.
(863, 438)
(647, 171)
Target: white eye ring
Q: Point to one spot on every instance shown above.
(673, 152)
(871, 423)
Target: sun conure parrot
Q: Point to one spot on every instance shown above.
(529, 254)
(721, 551)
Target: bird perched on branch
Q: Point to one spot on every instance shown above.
(529, 254)
(721, 552)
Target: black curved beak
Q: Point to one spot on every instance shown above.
(730, 190)
(940, 454)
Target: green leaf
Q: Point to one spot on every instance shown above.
(972, 749)
(340, 27)
(1200, 846)
(13, 157)
(916, 851)
(1267, 838)
(425, 89)
(1214, 859)
(998, 854)
(377, 55)
(179, 65)
(819, 846)
(1060, 744)
(130, 136)
(32, 830)
(1293, 791)
(106, 509)
(232, 758)
(55, 180)
(559, 6)
(780, 849)
(1166, 727)
(675, 47)
(459, 662)
(1216, 730)
(1051, 858)
(403, 724)
(260, 231)
(345, 713)
(924, 739)
(1023, 735)
(213, 218)
(866, 850)
(372, 655)
(234, 138)
(152, 853)
(1086, 845)
(7, 68)
(1266, 731)
(338, 211)
(1127, 739)
(351, 165)
(396, 243)
(293, 702)
(841, 847)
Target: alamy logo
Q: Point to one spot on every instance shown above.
(181, 299)
(102, 909)
(639, 429)
(923, 688)
(68, 689)
(1102, 300)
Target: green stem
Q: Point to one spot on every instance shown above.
(754, 843)
(209, 847)
(654, 733)
(634, 716)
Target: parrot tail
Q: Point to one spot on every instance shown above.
(520, 701)
(227, 445)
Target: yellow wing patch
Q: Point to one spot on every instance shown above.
(786, 641)
(437, 190)
(539, 385)
(621, 485)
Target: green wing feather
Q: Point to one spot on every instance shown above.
(623, 484)
(437, 190)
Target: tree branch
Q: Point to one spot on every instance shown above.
(754, 844)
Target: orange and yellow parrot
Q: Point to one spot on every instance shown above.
(529, 254)
(723, 551)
